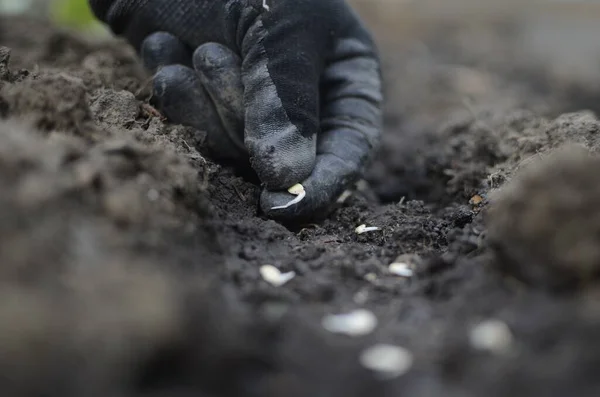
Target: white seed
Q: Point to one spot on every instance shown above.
(364, 229)
(273, 276)
(356, 323)
(388, 361)
(401, 269)
(371, 277)
(298, 191)
(344, 196)
(491, 335)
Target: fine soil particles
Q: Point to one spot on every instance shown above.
(130, 261)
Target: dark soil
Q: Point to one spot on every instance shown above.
(129, 261)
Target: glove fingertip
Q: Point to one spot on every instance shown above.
(178, 93)
(161, 49)
(328, 180)
(282, 160)
(277, 206)
(272, 203)
(211, 56)
(219, 70)
(173, 76)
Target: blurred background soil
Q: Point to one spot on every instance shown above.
(129, 260)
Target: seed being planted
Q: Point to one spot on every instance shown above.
(298, 191)
(400, 269)
(388, 361)
(273, 276)
(491, 335)
(364, 229)
(356, 323)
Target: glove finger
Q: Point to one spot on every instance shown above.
(180, 96)
(332, 174)
(220, 72)
(351, 123)
(281, 102)
(161, 49)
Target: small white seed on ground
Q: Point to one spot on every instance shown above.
(493, 336)
(356, 323)
(401, 270)
(371, 277)
(298, 191)
(364, 229)
(273, 276)
(388, 361)
(344, 196)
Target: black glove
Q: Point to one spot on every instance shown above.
(292, 85)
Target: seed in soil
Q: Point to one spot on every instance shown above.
(388, 361)
(364, 229)
(273, 276)
(493, 336)
(371, 277)
(400, 269)
(356, 323)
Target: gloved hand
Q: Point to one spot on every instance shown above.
(293, 86)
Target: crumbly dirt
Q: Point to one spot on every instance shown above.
(129, 260)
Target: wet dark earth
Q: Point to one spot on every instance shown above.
(130, 262)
